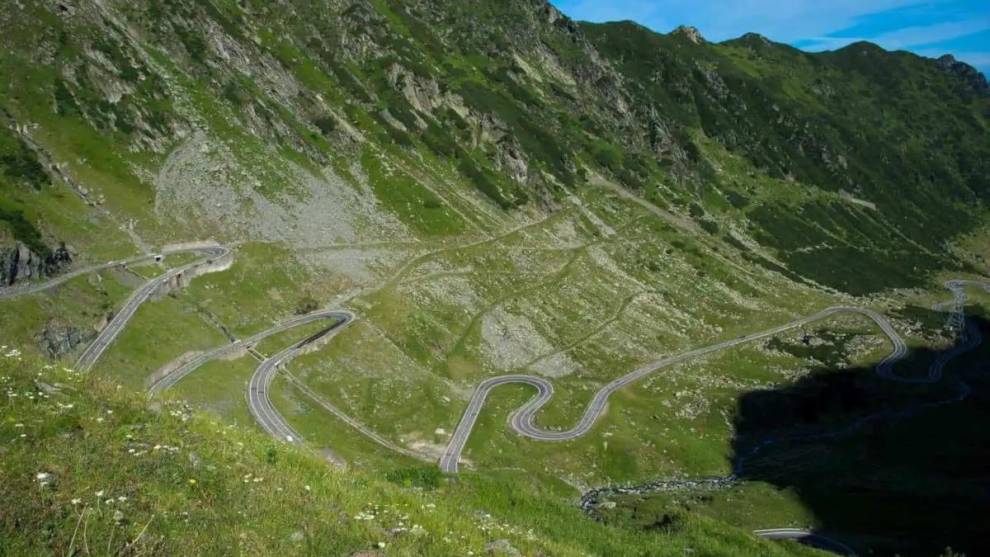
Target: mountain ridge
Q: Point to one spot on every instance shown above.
(494, 189)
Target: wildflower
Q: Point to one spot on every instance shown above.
(121, 499)
(99, 493)
(307, 488)
(192, 481)
(76, 501)
(43, 478)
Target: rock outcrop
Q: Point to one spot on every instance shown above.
(974, 80)
(58, 339)
(19, 263)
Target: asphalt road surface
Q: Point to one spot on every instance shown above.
(113, 329)
(522, 420)
(211, 254)
(173, 373)
(259, 402)
(806, 537)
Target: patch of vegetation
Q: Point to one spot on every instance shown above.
(423, 477)
(19, 163)
(24, 231)
(325, 124)
(830, 348)
(306, 304)
(417, 206)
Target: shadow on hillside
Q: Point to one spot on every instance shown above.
(887, 468)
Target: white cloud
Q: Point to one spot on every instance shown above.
(930, 34)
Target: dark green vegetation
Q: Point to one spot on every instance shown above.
(858, 158)
(897, 130)
(887, 469)
(491, 188)
(19, 164)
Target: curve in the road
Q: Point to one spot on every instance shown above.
(806, 537)
(214, 258)
(524, 418)
(259, 401)
(171, 374)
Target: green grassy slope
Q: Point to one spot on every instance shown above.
(94, 471)
(491, 188)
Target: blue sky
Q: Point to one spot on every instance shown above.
(958, 27)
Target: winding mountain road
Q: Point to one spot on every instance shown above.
(216, 258)
(171, 374)
(523, 420)
(259, 401)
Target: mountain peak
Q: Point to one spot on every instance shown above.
(972, 77)
(691, 33)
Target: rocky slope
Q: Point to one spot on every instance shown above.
(491, 188)
(245, 119)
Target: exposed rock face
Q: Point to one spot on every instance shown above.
(663, 141)
(59, 339)
(501, 547)
(691, 33)
(422, 93)
(975, 81)
(19, 263)
(513, 162)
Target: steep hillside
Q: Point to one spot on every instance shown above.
(266, 108)
(190, 191)
(91, 470)
(900, 138)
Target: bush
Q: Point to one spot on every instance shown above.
(326, 124)
(424, 477)
(307, 304)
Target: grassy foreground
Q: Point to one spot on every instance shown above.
(88, 468)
